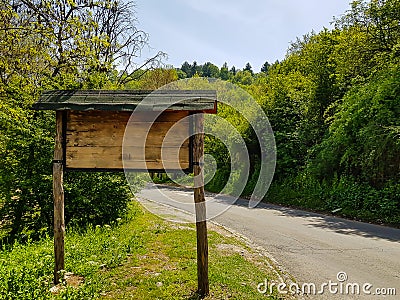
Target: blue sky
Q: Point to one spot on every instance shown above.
(235, 31)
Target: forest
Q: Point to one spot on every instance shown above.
(334, 107)
(333, 103)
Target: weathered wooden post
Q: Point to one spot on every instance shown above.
(58, 194)
(200, 206)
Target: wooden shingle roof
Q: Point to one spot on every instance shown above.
(127, 100)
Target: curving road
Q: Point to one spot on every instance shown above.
(311, 247)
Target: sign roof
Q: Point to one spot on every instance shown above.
(127, 100)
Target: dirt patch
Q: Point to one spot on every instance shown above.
(74, 280)
(229, 249)
(182, 227)
(70, 279)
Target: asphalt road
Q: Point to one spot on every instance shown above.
(313, 248)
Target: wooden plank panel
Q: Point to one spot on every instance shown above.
(96, 116)
(112, 135)
(94, 140)
(111, 157)
(115, 141)
(130, 153)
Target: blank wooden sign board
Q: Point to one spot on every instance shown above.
(94, 140)
(90, 129)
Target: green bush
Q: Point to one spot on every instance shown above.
(28, 277)
(345, 196)
(95, 198)
(219, 180)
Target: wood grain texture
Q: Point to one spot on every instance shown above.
(58, 195)
(111, 157)
(200, 206)
(106, 140)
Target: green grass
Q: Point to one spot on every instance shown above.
(140, 257)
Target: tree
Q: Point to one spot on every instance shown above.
(209, 70)
(181, 74)
(86, 37)
(224, 72)
(195, 69)
(243, 77)
(233, 70)
(155, 79)
(265, 67)
(187, 68)
(248, 68)
(363, 140)
(369, 33)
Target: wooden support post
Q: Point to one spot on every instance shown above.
(201, 224)
(58, 194)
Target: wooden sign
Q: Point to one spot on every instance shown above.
(95, 132)
(94, 124)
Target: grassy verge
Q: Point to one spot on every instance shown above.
(141, 257)
(343, 197)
